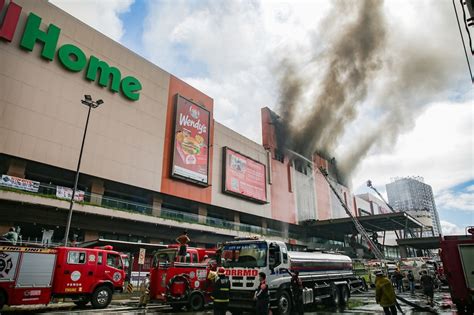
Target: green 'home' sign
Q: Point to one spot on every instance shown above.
(70, 56)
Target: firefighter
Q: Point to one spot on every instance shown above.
(182, 240)
(220, 294)
(411, 281)
(296, 287)
(145, 291)
(385, 294)
(262, 296)
(427, 284)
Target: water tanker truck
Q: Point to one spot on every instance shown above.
(326, 277)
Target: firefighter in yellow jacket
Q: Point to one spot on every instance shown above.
(385, 294)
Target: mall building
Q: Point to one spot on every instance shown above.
(155, 161)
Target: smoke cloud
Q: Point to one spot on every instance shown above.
(363, 67)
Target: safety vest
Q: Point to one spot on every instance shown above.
(221, 290)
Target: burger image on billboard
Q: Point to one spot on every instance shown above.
(190, 145)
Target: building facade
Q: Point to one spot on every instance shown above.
(412, 195)
(155, 161)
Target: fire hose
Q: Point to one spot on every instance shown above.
(416, 306)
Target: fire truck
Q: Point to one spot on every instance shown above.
(457, 254)
(182, 281)
(33, 275)
(326, 277)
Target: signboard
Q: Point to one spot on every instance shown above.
(244, 177)
(141, 256)
(191, 142)
(66, 193)
(19, 183)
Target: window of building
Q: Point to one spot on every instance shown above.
(279, 156)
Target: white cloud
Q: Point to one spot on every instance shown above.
(440, 148)
(449, 228)
(456, 200)
(103, 15)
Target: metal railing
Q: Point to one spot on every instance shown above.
(50, 191)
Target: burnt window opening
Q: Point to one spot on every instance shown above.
(302, 167)
(279, 156)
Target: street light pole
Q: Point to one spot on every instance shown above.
(91, 104)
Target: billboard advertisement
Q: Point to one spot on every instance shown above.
(191, 142)
(244, 177)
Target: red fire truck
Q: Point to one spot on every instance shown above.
(30, 275)
(179, 281)
(457, 254)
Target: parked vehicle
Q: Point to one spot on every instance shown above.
(31, 275)
(326, 277)
(182, 283)
(457, 254)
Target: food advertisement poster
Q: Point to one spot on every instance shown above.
(191, 142)
(244, 177)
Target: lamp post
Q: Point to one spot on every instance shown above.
(91, 104)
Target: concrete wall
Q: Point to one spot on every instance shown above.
(305, 196)
(42, 119)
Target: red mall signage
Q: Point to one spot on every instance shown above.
(191, 142)
(243, 176)
(70, 56)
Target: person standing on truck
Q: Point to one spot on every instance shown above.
(296, 286)
(145, 291)
(427, 284)
(220, 294)
(11, 236)
(411, 281)
(182, 240)
(385, 294)
(262, 296)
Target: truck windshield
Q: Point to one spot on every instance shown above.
(163, 257)
(245, 255)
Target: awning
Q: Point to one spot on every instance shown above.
(336, 229)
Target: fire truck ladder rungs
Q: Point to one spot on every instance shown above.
(360, 229)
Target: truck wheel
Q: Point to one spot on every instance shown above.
(101, 297)
(335, 295)
(345, 294)
(196, 302)
(284, 304)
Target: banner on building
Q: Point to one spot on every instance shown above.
(191, 142)
(66, 193)
(19, 183)
(244, 177)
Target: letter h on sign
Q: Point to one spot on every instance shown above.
(10, 20)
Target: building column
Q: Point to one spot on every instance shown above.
(202, 212)
(90, 235)
(264, 224)
(156, 207)
(236, 217)
(17, 168)
(97, 191)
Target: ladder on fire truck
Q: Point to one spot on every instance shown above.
(360, 229)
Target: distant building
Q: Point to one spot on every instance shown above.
(411, 194)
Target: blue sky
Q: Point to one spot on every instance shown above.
(232, 50)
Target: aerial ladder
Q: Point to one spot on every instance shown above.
(360, 229)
